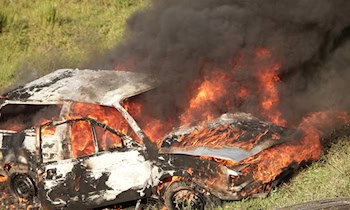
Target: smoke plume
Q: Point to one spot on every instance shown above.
(181, 42)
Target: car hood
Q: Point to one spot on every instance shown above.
(231, 137)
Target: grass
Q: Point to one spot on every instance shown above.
(37, 36)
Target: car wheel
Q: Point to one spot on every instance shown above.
(180, 195)
(23, 186)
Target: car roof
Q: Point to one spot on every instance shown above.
(103, 87)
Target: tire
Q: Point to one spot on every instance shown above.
(22, 185)
(180, 195)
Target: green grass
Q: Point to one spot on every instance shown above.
(327, 178)
(37, 36)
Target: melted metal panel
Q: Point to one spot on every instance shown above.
(254, 130)
(227, 153)
(98, 179)
(90, 86)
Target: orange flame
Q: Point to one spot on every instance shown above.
(82, 142)
(210, 98)
(308, 148)
(207, 94)
(3, 179)
(270, 98)
(268, 78)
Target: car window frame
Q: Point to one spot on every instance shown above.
(92, 124)
(106, 127)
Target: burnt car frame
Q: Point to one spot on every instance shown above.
(41, 168)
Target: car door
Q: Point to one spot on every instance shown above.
(100, 170)
(115, 173)
(55, 176)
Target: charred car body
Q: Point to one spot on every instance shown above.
(43, 164)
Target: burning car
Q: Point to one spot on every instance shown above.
(61, 159)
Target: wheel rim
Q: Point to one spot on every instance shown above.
(187, 199)
(23, 186)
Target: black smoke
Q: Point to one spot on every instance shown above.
(178, 41)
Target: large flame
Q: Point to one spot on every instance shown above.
(308, 148)
(206, 96)
(82, 142)
(212, 96)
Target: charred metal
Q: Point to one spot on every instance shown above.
(41, 166)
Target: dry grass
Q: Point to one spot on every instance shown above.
(40, 35)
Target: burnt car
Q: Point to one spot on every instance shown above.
(45, 166)
(196, 167)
